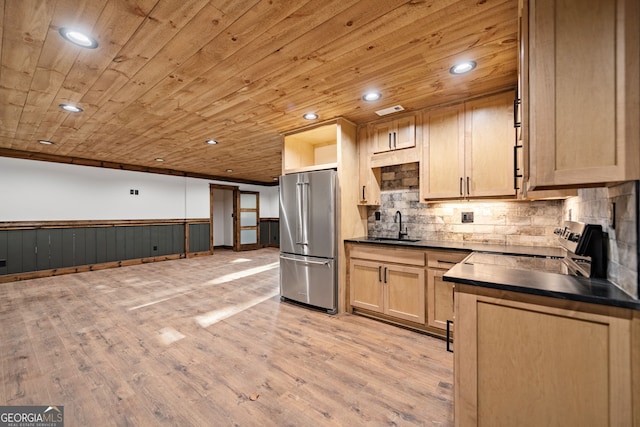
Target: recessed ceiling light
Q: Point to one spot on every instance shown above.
(78, 38)
(310, 116)
(229, 170)
(45, 142)
(70, 108)
(159, 159)
(212, 141)
(372, 96)
(463, 67)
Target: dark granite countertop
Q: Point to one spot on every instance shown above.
(465, 246)
(595, 291)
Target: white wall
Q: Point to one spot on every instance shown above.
(43, 191)
(270, 202)
(198, 197)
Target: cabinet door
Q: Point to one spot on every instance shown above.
(583, 81)
(366, 285)
(521, 364)
(405, 292)
(439, 299)
(382, 134)
(442, 165)
(394, 134)
(489, 142)
(404, 133)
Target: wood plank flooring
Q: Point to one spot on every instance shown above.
(206, 342)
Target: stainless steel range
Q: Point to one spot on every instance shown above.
(584, 254)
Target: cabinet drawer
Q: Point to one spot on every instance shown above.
(445, 259)
(389, 254)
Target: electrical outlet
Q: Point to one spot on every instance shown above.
(467, 217)
(377, 215)
(136, 192)
(131, 191)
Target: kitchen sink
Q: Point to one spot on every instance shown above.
(391, 239)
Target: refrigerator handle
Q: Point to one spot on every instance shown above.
(302, 235)
(327, 263)
(298, 212)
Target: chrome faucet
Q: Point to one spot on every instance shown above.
(400, 233)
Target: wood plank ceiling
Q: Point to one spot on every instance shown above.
(169, 75)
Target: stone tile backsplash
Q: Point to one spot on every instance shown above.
(512, 223)
(504, 223)
(595, 206)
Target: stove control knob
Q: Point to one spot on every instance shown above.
(574, 237)
(558, 231)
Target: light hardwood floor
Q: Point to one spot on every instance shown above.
(206, 342)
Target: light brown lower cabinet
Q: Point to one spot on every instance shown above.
(439, 292)
(439, 299)
(403, 285)
(388, 280)
(391, 289)
(522, 360)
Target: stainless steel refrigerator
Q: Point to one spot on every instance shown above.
(308, 249)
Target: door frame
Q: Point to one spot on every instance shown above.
(236, 195)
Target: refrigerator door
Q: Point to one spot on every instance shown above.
(308, 214)
(309, 280)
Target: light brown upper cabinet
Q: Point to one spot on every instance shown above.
(442, 165)
(394, 135)
(369, 178)
(582, 99)
(385, 143)
(468, 150)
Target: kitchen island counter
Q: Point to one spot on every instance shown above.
(583, 289)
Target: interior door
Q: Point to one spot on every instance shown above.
(222, 224)
(247, 220)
